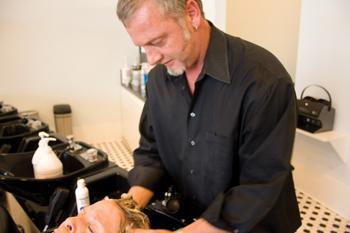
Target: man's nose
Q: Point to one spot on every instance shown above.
(153, 56)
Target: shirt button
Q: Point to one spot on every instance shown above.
(193, 143)
(192, 114)
(191, 171)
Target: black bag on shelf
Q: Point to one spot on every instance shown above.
(315, 115)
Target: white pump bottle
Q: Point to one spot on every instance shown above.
(45, 162)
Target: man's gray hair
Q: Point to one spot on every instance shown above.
(175, 8)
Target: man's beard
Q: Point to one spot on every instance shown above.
(176, 71)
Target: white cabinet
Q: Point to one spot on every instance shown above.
(131, 109)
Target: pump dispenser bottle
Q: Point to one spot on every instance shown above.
(82, 195)
(45, 162)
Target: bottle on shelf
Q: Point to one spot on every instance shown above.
(136, 77)
(144, 78)
(125, 74)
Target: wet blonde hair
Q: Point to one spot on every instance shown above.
(135, 218)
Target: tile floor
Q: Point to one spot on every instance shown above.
(316, 218)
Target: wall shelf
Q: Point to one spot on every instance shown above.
(138, 93)
(337, 140)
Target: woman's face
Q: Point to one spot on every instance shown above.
(75, 224)
(103, 216)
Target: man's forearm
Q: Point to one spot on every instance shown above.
(141, 195)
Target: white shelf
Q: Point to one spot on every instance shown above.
(337, 140)
(323, 137)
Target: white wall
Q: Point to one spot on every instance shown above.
(324, 58)
(69, 51)
(66, 51)
(324, 53)
(311, 38)
(272, 24)
(215, 11)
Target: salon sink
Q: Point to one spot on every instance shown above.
(102, 177)
(9, 117)
(17, 176)
(7, 110)
(37, 196)
(30, 143)
(15, 129)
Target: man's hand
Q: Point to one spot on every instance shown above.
(103, 216)
(141, 195)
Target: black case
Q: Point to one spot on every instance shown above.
(315, 115)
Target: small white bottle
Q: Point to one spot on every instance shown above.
(135, 77)
(45, 162)
(125, 73)
(144, 78)
(82, 195)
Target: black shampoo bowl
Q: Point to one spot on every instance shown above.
(13, 131)
(17, 176)
(7, 110)
(38, 196)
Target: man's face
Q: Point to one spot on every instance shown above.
(165, 40)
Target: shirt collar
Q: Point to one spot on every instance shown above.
(216, 58)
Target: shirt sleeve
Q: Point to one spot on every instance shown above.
(266, 142)
(148, 170)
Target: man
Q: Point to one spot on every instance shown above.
(219, 119)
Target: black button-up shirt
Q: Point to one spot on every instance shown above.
(227, 147)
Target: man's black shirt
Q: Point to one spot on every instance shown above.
(228, 146)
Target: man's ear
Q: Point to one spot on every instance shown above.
(193, 12)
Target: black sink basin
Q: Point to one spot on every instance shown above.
(7, 110)
(17, 176)
(17, 129)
